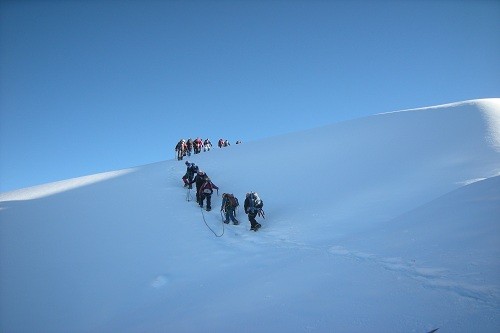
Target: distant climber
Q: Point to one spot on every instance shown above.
(198, 143)
(207, 145)
(180, 148)
(189, 146)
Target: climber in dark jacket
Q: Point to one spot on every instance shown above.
(253, 207)
(199, 179)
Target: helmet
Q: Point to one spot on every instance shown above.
(187, 163)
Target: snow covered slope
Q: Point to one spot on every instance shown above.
(385, 223)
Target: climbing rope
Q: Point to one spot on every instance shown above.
(189, 197)
(203, 215)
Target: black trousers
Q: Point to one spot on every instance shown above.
(198, 194)
(251, 218)
(209, 200)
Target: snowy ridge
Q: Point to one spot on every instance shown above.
(487, 108)
(384, 223)
(41, 191)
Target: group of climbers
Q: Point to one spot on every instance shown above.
(196, 146)
(225, 143)
(189, 146)
(205, 188)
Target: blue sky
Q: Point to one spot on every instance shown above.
(93, 86)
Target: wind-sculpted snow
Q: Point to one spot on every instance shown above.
(462, 228)
(388, 223)
(61, 186)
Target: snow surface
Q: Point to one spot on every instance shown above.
(389, 223)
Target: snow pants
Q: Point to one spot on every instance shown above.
(230, 214)
(251, 218)
(208, 196)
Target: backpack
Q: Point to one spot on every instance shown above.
(207, 187)
(232, 201)
(254, 202)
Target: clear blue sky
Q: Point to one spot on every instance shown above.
(93, 86)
